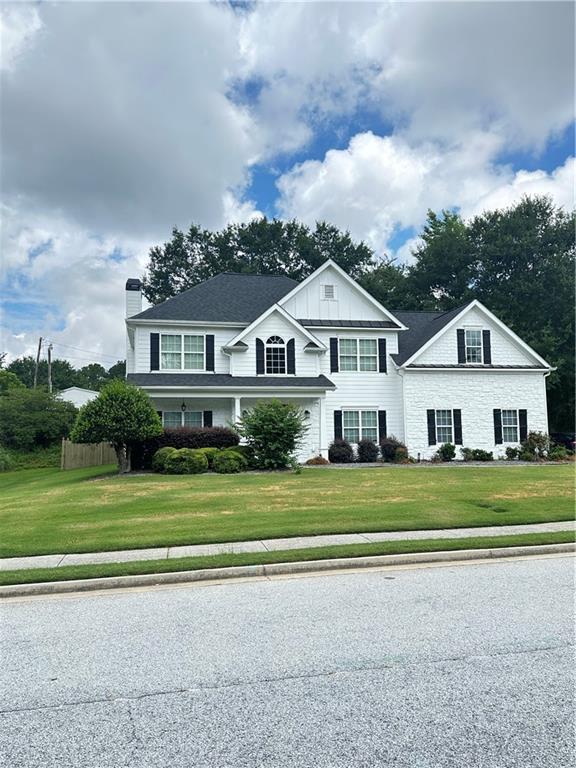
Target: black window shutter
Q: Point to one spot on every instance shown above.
(154, 351)
(159, 414)
(523, 423)
(291, 356)
(431, 414)
(209, 352)
(259, 356)
(457, 417)
(487, 347)
(461, 339)
(382, 355)
(207, 418)
(337, 425)
(333, 355)
(497, 426)
(382, 429)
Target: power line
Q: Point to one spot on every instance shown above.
(80, 349)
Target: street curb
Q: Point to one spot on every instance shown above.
(279, 569)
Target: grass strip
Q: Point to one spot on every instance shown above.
(67, 573)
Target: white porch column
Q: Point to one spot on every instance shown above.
(237, 410)
(323, 427)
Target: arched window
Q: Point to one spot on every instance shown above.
(275, 355)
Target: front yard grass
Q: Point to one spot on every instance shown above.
(88, 510)
(70, 572)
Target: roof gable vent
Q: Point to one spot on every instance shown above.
(328, 291)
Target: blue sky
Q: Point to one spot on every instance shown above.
(361, 114)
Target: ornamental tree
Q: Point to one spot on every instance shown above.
(273, 430)
(121, 415)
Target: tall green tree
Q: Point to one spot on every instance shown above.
(64, 374)
(263, 246)
(121, 415)
(32, 418)
(92, 376)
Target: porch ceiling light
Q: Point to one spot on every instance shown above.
(183, 407)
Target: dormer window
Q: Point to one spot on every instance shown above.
(473, 345)
(275, 355)
(328, 292)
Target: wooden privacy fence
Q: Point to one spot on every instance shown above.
(77, 455)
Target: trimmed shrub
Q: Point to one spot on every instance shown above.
(317, 461)
(446, 452)
(209, 453)
(274, 430)
(367, 451)
(389, 446)
(479, 455)
(229, 462)
(159, 458)
(340, 452)
(6, 461)
(467, 454)
(556, 453)
(526, 455)
(512, 453)
(248, 452)
(184, 437)
(185, 461)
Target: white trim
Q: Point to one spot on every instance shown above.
(478, 305)
(329, 263)
(286, 316)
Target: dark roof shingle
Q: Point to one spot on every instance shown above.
(422, 326)
(227, 298)
(225, 380)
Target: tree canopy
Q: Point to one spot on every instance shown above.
(32, 418)
(121, 414)
(64, 375)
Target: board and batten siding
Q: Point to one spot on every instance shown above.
(476, 394)
(349, 303)
(142, 344)
(504, 351)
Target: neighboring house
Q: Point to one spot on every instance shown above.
(77, 395)
(356, 369)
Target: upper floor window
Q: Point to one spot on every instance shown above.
(473, 345)
(275, 355)
(358, 354)
(182, 352)
(328, 291)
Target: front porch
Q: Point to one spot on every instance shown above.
(187, 409)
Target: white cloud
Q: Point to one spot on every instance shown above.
(19, 25)
(381, 184)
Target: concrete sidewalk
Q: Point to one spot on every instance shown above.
(268, 545)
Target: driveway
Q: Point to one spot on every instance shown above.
(439, 666)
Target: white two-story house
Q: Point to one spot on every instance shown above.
(356, 369)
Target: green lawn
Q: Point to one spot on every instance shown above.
(67, 573)
(46, 510)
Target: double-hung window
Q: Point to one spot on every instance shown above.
(182, 352)
(176, 419)
(358, 354)
(473, 345)
(444, 431)
(360, 425)
(510, 426)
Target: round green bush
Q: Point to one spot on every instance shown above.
(229, 462)
(159, 458)
(247, 451)
(185, 461)
(340, 452)
(209, 453)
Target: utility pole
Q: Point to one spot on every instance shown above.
(50, 368)
(37, 361)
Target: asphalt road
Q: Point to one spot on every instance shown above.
(466, 666)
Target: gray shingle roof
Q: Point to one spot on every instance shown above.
(225, 380)
(468, 366)
(227, 298)
(422, 326)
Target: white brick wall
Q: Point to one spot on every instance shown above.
(476, 394)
